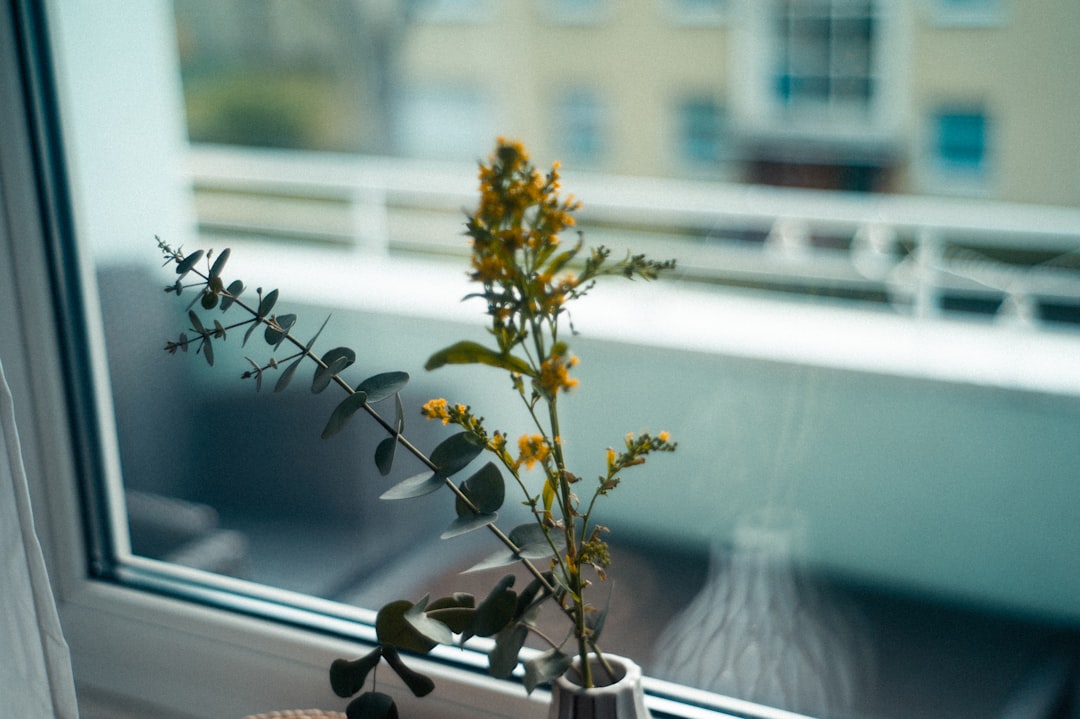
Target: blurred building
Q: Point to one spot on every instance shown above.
(959, 97)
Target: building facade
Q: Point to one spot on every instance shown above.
(957, 97)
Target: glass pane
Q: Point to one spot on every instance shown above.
(875, 393)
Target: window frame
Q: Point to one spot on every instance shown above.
(124, 640)
(140, 645)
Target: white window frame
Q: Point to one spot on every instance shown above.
(137, 653)
(140, 652)
(141, 645)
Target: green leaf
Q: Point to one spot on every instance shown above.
(485, 489)
(267, 303)
(274, 335)
(466, 352)
(372, 705)
(343, 413)
(394, 629)
(530, 594)
(348, 677)
(545, 667)
(455, 611)
(496, 611)
(219, 263)
(384, 455)
(208, 350)
(455, 453)
(503, 657)
(464, 525)
(287, 375)
(416, 486)
(384, 385)
(196, 323)
(418, 684)
(432, 629)
(335, 361)
(235, 289)
(209, 300)
(184, 266)
(532, 542)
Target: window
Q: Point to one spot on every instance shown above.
(849, 379)
(960, 156)
(577, 12)
(443, 123)
(701, 131)
(698, 12)
(448, 11)
(961, 140)
(968, 13)
(826, 53)
(581, 127)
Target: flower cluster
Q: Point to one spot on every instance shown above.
(527, 279)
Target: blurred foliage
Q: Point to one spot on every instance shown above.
(263, 109)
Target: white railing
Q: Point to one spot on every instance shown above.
(922, 255)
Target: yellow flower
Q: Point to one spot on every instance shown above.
(555, 375)
(436, 409)
(663, 436)
(532, 449)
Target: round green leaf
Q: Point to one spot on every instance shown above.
(485, 489)
(431, 628)
(464, 525)
(419, 684)
(267, 303)
(455, 453)
(185, 265)
(545, 667)
(235, 289)
(372, 705)
(219, 263)
(343, 413)
(348, 677)
(287, 375)
(394, 629)
(384, 385)
(416, 486)
(496, 611)
(503, 657)
(384, 455)
(335, 361)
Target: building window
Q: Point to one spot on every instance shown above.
(701, 128)
(449, 11)
(697, 12)
(825, 53)
(580, 127)
(967, 13)
(577, 12)
(960, 140)
(444, 123)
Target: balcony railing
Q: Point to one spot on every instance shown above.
(923, 256)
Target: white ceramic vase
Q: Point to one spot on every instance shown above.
(621, 699)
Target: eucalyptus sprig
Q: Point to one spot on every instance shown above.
(527, 280)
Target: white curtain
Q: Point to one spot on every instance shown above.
(35, 666)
